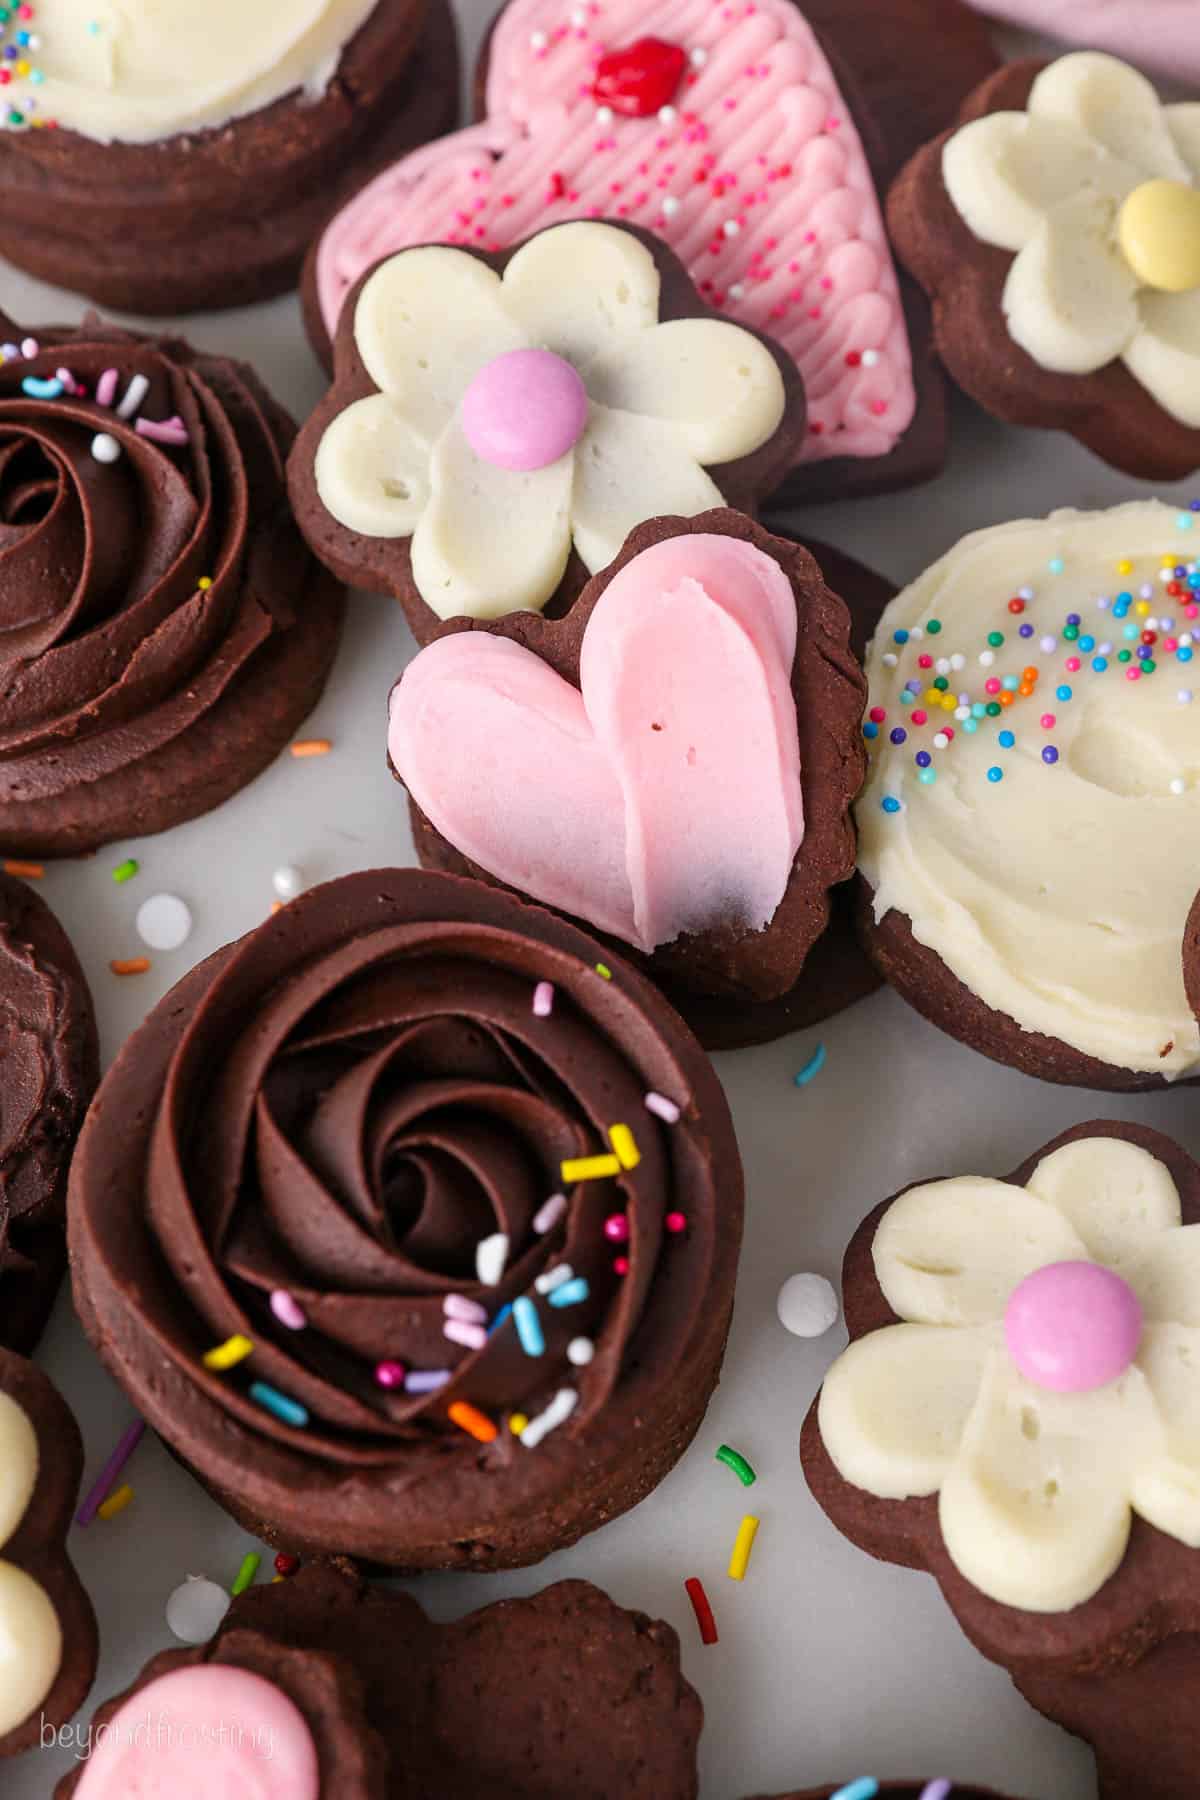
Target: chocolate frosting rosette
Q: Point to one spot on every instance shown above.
(411, 1224)
(162, 628)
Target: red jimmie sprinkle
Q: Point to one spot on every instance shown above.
(702, 1610)
(640, 79)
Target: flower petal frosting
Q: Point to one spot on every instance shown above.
(1049, 185)
(665, 399)
(1036, 1486)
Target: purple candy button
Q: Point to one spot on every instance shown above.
(1073, 1326)
(524, 410)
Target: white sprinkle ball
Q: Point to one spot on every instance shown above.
(667, 115)
(164, 922)
(870, 358)
(958, 660)
(288, 881)
(943, 665)
(580, 1351)
(196, 1608)
(731, 228)
(807, 1305)
(699, 57)
(105, 448)
(538, 40)
(736, 291)
(987, 658)
(604, 115)
(940, 741)
(1184, 696)
(890, 659)
(1049, 645)
(670, 206)
(1178, 785)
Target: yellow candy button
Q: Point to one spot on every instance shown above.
(1159, 232)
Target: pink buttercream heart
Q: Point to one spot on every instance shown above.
(755, 176)
(660, 797)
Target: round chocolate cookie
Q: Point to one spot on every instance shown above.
(166, 630)
(1015, 1414)
(50, 1057)
(46, 1620)
(218, 215)
(563, 1692)
(735, 981)
(458, 1202)
(866, 1788)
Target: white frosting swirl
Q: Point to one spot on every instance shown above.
(133, 71)
(1059, 892)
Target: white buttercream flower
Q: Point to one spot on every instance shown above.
(1095, 187)
(517, 414)
(1043, 1411)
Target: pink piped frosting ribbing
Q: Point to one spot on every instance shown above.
(755, 176)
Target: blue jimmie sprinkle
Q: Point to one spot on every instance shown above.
(529, 1326)
(569, 1293)
(290, 1411)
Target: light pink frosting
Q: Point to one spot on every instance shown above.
(1163, 35)
(760, 184)
(206, 1733)
(663, 798)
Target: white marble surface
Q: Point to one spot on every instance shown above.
(829, 1665)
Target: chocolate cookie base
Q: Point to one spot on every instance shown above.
(33, 1176)
(38, 1546)
(561, 1693)
(706, 978)
(1108, 411)
(920, 976)
(1136, 1642)
(225, 217)
(897, 1790)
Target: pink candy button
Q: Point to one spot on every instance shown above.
(1073, 1326)
(524, 410)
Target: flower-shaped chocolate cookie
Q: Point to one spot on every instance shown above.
(489, 414)
(1017, 1414)
(1058, 232)
(1042, 1379)
(47, 1628)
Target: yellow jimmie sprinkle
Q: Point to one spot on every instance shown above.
(624, 1146)
(517, 1423)
(604, 972)
(116, 1503)
(227, 1355)
(743, 1543)
(590, 1168)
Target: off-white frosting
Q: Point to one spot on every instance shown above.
(1048, 184)
(1037, 1488)
(30, 1634)
(133, 71)
(664, 400)
(1059, 894)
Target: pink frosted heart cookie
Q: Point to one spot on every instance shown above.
(672, 762)
(730, 131)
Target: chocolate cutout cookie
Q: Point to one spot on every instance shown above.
(170, 630)
(734, 986)
(38, 1547)
(563, 1692)
(224, 217)
(1119, 1669)
(50, 1056)
(1108, 410)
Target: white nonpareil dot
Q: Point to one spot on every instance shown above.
(807, 1305)
(105, 448)
(699, 57)
(604, 115)
(538, 40)
(288, 881)
(890, 659)
(943, 665)
(1178, 785)
(731, 228)
(670, 206)
(870, 358)
(940, 741)
(667, 115)
(580, 1351)
(196, 1608)
(736, 291)
(987, 658)
(164, 922)
(1184, 696)
(958, 660)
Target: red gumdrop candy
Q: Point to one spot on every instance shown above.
(641, 78)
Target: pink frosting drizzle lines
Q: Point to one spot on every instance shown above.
(769, 197)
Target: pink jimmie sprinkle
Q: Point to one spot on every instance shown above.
(106, 388)
(547, 1216)
(164, 431)
(662, 1108)
(473, 1337)
(457, 1306)
(543, 999)
(287, 1310)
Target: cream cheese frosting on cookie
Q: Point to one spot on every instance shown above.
(1033, 802)
(133, 71)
